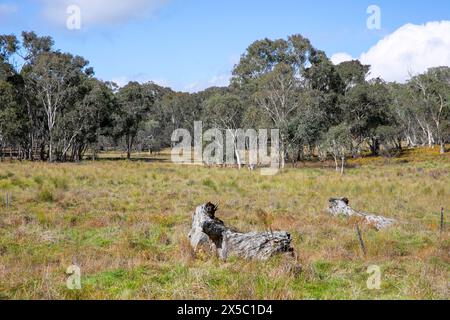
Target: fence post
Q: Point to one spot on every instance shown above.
(361, 241)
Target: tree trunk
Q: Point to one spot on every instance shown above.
(210, 234)
(50, 148)
(282, 153)
(399, 144)
(30, 152)
(81, 151)
(129, 145)
(410, 142)
(442, 147)
(237, 154)
(76, 153)
(375, 147)
(336, 163)
(340, 207)
(42, 153)
(430, 138)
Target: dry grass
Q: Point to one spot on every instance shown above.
(125, 223)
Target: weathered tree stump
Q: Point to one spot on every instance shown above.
(211, 234)
(340, 207)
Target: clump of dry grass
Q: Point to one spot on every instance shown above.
(125, 223)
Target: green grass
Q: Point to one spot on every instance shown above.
(126, 224)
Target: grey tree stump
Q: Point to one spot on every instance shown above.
(340, 207)
(211, 234)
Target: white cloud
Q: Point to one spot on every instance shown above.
(409, 50)
(100, 12)
(7, 9)
(221, 80)
(340, 57)
(141, 78)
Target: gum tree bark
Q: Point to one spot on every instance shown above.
(211, 234)
(340, 207)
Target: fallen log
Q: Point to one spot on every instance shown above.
(340, 207)
(211, 234)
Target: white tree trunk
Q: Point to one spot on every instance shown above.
(238, 157)
(336, 163)
(442, 146)
(340, 207)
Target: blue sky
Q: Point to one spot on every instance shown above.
(190, 45)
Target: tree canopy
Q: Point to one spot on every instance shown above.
(52, 107)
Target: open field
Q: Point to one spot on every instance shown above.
(126, 222)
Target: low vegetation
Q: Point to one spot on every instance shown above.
(125, 224)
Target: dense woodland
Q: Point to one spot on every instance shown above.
(52, 108)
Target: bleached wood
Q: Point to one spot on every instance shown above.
(340, 207)
(211, 234)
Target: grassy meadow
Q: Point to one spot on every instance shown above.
(125, 223)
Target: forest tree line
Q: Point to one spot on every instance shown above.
(53, 108)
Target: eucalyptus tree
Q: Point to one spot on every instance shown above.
(296, 86)
(319, 109)
(274, 72)
(181, 110)
(55, 77)
(225, 113)
(432, 93)
(365, 109)
(135, 101)
(30, 47)
(89, 117)
(278, 97)
(352, 73)
(156, 130)
(13, 122)
(150, 136)
(336, 142)
(403, 110)
(307, 127)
